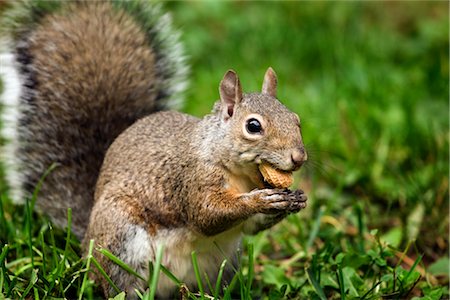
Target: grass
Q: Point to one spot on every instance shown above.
(370, 83)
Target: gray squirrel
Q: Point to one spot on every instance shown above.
(89, 87)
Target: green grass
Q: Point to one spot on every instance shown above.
(370, 83)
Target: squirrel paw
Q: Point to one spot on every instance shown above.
(299, 202)
(281, 200)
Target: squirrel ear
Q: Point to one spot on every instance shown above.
(270, 83)
(230, 93)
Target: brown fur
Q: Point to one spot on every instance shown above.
(93, 75)
(169, 179)
(178, 172)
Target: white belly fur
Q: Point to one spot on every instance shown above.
(178, 246)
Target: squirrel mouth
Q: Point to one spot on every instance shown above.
(275, 178)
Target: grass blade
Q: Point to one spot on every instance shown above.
(359, 215)
(28, 227)
(120, 263)
(156, 272)
(140, 296)
(340, 279)
(53, 247)
(197, 274)
(315, 284)
(230, 287)
(44, 257)
(419, 258)
(3, 221)
(371, 289)
(33, 280)
(5, 278)
(102, 271)
(36, 293)
(219, 279)
(88, 266)
(69, 227)
(170, 275)
(4, 274)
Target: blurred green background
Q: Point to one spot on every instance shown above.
(370, 83)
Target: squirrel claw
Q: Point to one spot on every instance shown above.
(276, 200)
(301, 196)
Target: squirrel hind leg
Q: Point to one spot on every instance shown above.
(133, 247)
(127, 238)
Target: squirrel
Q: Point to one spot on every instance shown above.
(89, 88)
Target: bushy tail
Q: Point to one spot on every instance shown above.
(75, 76)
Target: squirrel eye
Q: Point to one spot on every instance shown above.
(253, 126)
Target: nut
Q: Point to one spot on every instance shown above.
(276, 178)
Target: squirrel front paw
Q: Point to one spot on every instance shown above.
(300, 201)
(273, 201)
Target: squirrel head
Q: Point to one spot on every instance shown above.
(258, 128)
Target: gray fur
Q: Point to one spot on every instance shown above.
(192, 184)
(86, 73)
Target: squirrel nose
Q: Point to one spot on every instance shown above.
(299, 156)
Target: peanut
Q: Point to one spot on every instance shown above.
(276, 178)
